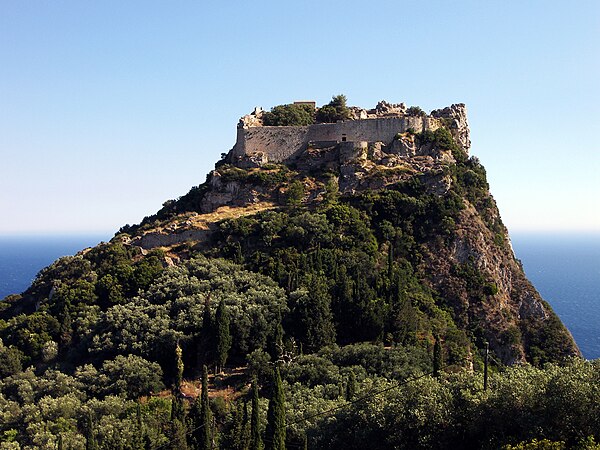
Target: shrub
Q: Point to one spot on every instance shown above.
(295, 193)
(289, 115)
(132, 376)
(335, 110)
(415, 111)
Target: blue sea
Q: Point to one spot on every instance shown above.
(22, 257)
(564, 268)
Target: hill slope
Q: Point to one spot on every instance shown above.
(354, 257)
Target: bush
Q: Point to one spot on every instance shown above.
(415, 111)
(289, 115)
(132, 376)
(335, 110)
(10, 360)
(295, 193)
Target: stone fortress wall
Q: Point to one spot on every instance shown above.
(257, 144)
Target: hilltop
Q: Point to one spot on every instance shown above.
(409, 176)
(350, 248)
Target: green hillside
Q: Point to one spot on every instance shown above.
(335, 309)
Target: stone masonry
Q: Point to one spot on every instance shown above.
(257, 144)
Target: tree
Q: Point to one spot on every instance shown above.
(276, 427)
(351, 386)
(207, 333)
(256, 442)
(139, 437)
(10, 361)
(178, 368)
(223, 335)
(415, 111)
(437, 357)
(295, 193)
(237, 437)
(109, 290)
(332, 190)
(335, 110)
(177, 435)
(66, 326)
(245, 429)
(177, 408)
(275, 346)
(132, 375)
(201, 416)
(290, 115)
(312, 314)
(88, 432)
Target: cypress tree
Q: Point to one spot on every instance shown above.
(66, 328)
(203, 435)
(207, 333)
(178, 368)
(139, 437)
(275, 347)
(245, 434)
(177, 409)
(351, 386)
(238, 436)
(437, 357)
(256, 442)
(223, 335)
(88, 432)
(390, 262)
(194, 423)
(178, 435)
(239, 255)
(276, 416)
(237, 419)
(313, 315)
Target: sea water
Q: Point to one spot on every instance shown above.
(22, 257)
(565, 268)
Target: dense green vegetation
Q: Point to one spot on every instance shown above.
(290, 115)
(335, 110)
(381, 410)
(314, 327)
(300, 115)
(415, 111)
(330, 262)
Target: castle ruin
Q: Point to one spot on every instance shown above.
(258, 144)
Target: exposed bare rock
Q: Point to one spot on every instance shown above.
(404, 146)
(455, 118)
(384, 108)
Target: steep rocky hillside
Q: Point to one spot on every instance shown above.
(422, 186)
(351, 266)
(422, 200)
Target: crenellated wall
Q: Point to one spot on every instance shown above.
(262, 144)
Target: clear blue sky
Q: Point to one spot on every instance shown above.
(107, 109)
